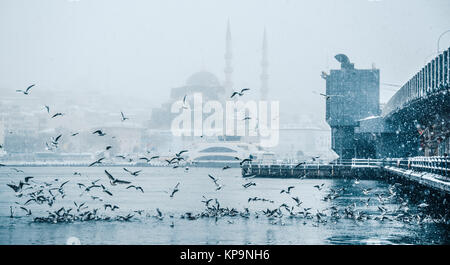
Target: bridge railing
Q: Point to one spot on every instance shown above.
(355, 162)
(431, 79)
(436, 164)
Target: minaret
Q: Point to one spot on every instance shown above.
(228, 56)
(264, 65)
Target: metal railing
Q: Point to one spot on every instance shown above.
(355, 162)
(431, 79)
(436, 164)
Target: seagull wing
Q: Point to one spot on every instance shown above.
(28, 88)
(109, 176)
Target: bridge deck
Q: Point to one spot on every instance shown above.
(432, 172)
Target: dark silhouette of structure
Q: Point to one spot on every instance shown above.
(351, 95)
(414, 122)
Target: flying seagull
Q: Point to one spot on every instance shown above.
(27, 91)
(136, 187)
(327, 97)
(319, 187)
(99, 132)
(175, 190)
(240, 93)
(115, 181)
(288, 190)
(123, 116)
(135, 173)
(57, 114)
(99, 161)
(181, 152)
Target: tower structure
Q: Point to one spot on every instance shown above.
(351, 95)
(228, 85)
(264, 66)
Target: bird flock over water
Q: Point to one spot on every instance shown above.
(92, 201)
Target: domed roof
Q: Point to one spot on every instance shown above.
(203, 79)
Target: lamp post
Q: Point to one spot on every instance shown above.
(439, 39)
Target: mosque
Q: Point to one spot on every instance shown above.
(222, 149)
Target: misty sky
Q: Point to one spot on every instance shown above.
(144, 48)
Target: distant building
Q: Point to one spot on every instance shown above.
(203, 82)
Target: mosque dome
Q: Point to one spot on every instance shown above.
(203, 79)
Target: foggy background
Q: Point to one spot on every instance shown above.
(144, 48)
(93, 59)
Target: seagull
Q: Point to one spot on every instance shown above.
(327, 97)
(181, 152)
(175, 190)
(297, 200)
(28, 179)
(240, 93)
(99, 161)
(136, 187)
(245, 160)
(123, 116)
(27, 91)
(112, 207)
(57, 114)
(213, 178)
(55, 140)
(16, 188)
(299, 164)
(115, 181)
(315, 158)
(160, 214)
(99, 132)
(319, 187)
(366, 191)
(106, 191)
(135, 173)
(206, 201)
(75, 134)
(423, 205)
(28, 211)
(288, 190)
(144, 158)
(249, 184)
(108, 147)
(47, 108)
(17, 170)
(226, 167)
(246, 118)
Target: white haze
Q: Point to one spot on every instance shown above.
(136, 51)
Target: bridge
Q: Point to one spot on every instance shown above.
(429, 172)
(420, 110)
(409, 138)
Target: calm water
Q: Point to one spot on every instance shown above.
(157, 182)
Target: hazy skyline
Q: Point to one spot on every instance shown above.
(144, 48)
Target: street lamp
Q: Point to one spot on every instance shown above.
(439, 39)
